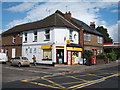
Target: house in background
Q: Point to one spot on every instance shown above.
(56, 39)
(11, 44)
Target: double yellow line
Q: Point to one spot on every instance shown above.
(94, 81)
(56, 85)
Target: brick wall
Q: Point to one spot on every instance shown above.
(7, 44)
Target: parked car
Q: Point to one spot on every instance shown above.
(3, 58)
(20, 61)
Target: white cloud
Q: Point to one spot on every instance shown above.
(61, 0)
(84, 11)
(79, 10)
(113, 31)
(22, 7)
(115, 11)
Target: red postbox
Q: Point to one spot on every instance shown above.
(93, 60)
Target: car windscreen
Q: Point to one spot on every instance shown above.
(17, 58)
(24, 58)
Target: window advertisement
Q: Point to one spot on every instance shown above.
(75, 57)
(69, 57)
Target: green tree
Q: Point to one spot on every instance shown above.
(106, 36)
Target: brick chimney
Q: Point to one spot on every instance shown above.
(68, 15)
(92, 25)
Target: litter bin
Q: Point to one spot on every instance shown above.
(93, 60)
(88, 63)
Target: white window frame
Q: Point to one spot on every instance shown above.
(99, 39)
(70, 34)
(26, 50)
(100, 51)
(30, 50)
(35, 50)
(25, 34)
(14, 39)
(87, 37)
(35, 36)
(47, 34)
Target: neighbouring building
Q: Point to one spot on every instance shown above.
(56, 39)
(11, 44)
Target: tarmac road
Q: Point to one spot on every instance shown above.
(103, 78)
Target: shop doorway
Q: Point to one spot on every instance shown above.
(60, 56)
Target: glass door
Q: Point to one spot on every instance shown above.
(60, 56)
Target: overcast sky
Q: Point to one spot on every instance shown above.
(103, 12)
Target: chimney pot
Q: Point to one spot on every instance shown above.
(68, 15)
(92, 25)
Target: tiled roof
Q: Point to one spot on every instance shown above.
(54, 20)
(86, 27)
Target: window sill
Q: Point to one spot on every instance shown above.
(34, 41)
(25, 42)
(46, 59)
(87, 41)
(47, 40)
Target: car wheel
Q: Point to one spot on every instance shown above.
(19, 64)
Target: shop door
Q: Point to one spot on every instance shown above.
(59, 56)
(75, 58)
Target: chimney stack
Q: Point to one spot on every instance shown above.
(92, 25)
(68, 15)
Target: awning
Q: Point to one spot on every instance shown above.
(46, 47)
(59, 47)
(74, 49)
(74, 45)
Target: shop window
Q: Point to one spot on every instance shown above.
(99, 39)
(47, 54)
(30, 50)
(35, 50)
(87, 37)
(35, 36)
(14, 39)
(47, 34)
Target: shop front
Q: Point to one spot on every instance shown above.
(73, 55)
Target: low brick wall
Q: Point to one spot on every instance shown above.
(100, 61)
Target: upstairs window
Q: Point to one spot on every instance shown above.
(47, 34)
(35, 36)
(70, 34)
(87, 37)
(14, 39)
(99, 39)
(25, 37)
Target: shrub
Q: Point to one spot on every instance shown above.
(87, 54)
(102, 56)
(112, 56)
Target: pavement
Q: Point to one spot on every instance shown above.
(58, 69)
